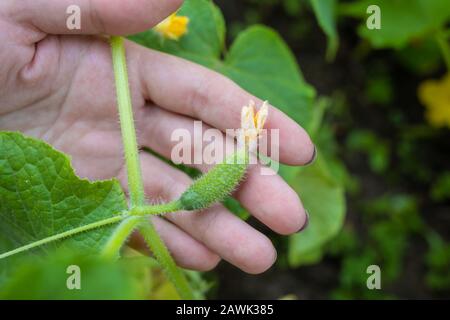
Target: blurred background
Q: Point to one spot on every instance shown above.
(386, 102)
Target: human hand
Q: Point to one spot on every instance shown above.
(57, 84)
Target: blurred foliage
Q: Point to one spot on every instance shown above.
(391, 221)
(397, 178)
(133, 277)
(402, 21)
(438, 263)
(421, 56)
(376, 149)
(45, 278)
(440, 189)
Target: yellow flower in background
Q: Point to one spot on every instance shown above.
(435, 96)
(173, 27)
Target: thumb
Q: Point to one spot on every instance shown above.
(118, 17)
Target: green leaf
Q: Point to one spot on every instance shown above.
(41, 196)
(99, 278)
(421, 57)
(376, 148)
(440, 190)
(401, 20)
(259, 60)
(325, 11)
(324, 199)
(438, 263)
(5, 265)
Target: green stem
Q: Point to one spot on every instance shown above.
(159, 249)
(112, 248)
(442, 41)
(135, 184)
(63, 235)
(157, 209)
(130, 220)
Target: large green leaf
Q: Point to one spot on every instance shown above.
(41, 196)
(401, 20)
(324, 199)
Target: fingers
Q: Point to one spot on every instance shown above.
(115, 17)
(272, 201)
(217, 228)
(268, 197)
(184, 87)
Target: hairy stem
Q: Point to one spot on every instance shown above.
(112, 248)
(63, 235)
(135, 184)
(157, 209)
(130, 221)
(157, 246)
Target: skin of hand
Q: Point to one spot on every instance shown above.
(57, 85)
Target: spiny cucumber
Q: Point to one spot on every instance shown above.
(217, 183)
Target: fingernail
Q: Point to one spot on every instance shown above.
(313, 158)
(305, 225)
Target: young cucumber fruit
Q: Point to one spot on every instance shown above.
(217, 183)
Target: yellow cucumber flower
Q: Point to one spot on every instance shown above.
(252, 124)
(435, 96)
(173, 27)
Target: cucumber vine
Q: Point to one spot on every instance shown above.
(136, 186)
(211, 187)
